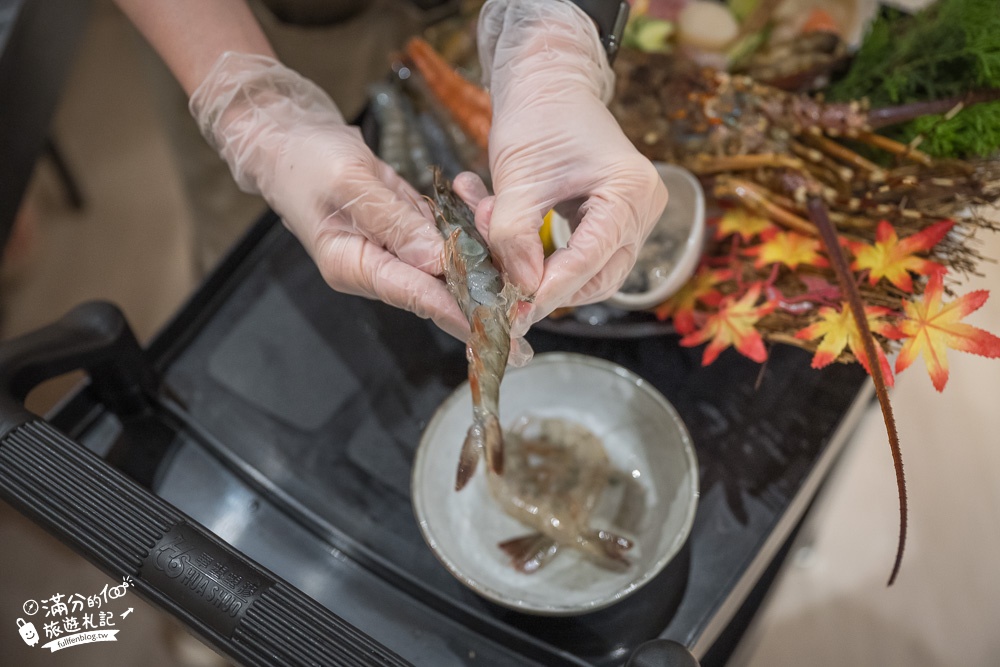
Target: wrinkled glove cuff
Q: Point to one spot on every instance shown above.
(244, 108)
(505, 25)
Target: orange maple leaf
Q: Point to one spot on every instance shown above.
(837, 329)
(788, 248)
(700, 288)
(894, 259)
(931, 327)
(733, 324)
(743, 222)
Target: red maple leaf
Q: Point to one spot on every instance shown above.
(931, 327)
(701, 288)
(733, 325)
(894, 259)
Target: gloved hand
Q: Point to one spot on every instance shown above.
(365, 227)
(553, 141)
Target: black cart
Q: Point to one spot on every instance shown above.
(269, 431)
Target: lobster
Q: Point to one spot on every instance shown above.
(797, 160)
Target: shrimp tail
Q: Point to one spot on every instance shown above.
(530, 553)
(493, 444)
(483, 436)
(469, 457)
(609, 548)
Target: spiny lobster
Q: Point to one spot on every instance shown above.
(785, 156)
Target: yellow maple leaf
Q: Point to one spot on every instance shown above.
(836, 330)
(931, 327)
(743, 222)
(789, 248)
(733, 325)
(894, 259)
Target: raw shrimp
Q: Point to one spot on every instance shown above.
(489, 303)
(468, 104)
(556, 473)
(400, 143)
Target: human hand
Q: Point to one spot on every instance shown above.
(364, 227)
(554, 142)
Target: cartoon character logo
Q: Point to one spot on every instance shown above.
(28, 632)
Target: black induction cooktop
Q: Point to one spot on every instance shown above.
(273, 423)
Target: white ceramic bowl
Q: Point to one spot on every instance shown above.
(681, 230)
(643, 436)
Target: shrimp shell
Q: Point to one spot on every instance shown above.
(489, 303)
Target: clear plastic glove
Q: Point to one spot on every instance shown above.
(285, 139)
(554, 142)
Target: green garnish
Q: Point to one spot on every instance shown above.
(944, 51)
(742, 8)
(648, 34)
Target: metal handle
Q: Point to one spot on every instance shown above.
(243, 610)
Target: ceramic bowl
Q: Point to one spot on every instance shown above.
(671, 253)
(644, 439)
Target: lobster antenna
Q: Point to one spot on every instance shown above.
(886, 116)
(821, 218)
